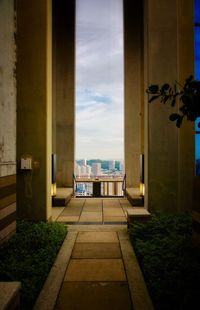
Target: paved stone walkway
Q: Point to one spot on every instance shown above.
(93, 210)
(95, 277)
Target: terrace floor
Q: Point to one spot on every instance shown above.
(93, 211)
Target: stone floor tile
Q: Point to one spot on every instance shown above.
(87, 219)
(56, 211)
(92, 214)
(96, 250)
(115, 219)
(95, 270)
(74, 202)
(113, 212)
(71, 211)
(94, 296)
(97, 236)
(89, 208)
(96, 202)
(68, 219)
(112, 203)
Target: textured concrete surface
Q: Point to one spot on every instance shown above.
(101, 236)
(95, 210)
(94, 295)
(96, 250)
(10, 295)
(95, 270)
(34, 108)
(7, 89)
(68, 219)
(91, 282)
(114, 219)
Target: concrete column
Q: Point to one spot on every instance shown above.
(7, 89)
(64, 88)
(168, 57)
(34, 117)
(133, 42)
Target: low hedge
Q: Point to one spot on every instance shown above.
(169, 260)
(29, 255)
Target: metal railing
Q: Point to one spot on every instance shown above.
(100, 186)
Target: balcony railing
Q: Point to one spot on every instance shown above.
(100, 186)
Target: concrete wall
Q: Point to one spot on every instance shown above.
(133, 58)
(34, 105)
(64, 89)
(169, 151)
(7, 120)
(7, 89)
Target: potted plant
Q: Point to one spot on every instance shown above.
(188, 94)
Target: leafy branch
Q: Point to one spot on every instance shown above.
(188, 95)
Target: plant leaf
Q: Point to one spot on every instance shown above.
(179, 121)
(165, 87)
(165, 99)
(173, 102)
(153, 89)
(154, 98)
(174, 117)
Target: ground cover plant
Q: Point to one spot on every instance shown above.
(169, 260)
(29, 255)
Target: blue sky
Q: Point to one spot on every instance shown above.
(99, 79)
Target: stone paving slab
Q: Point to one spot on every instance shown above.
(71, 212)
(68, 219)
(114, 219)
(113, 212)
(92, 214)
(94, 296)
(56, 211)
(97, 228)
(100, 236)
(93, 202)
(96, 250)
(124, 201)
(89, 208)
(111, 203)
(91, 217)
(95, 270)
(74, 202)
(90, 220)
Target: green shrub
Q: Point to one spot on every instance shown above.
(169, 260)
(29, 255)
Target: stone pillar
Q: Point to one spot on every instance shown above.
(168, 57)
(133, 50)
(34, 117)
(7, 89)
(64, 88)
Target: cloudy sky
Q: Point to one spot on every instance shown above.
(99, 79)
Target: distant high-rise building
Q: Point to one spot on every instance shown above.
(83, 162)
(83, 170)
(121, 166)
(111, 165)
(88, 170)
(96, 169)
(77, 170)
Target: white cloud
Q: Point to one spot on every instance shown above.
(99, 79)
